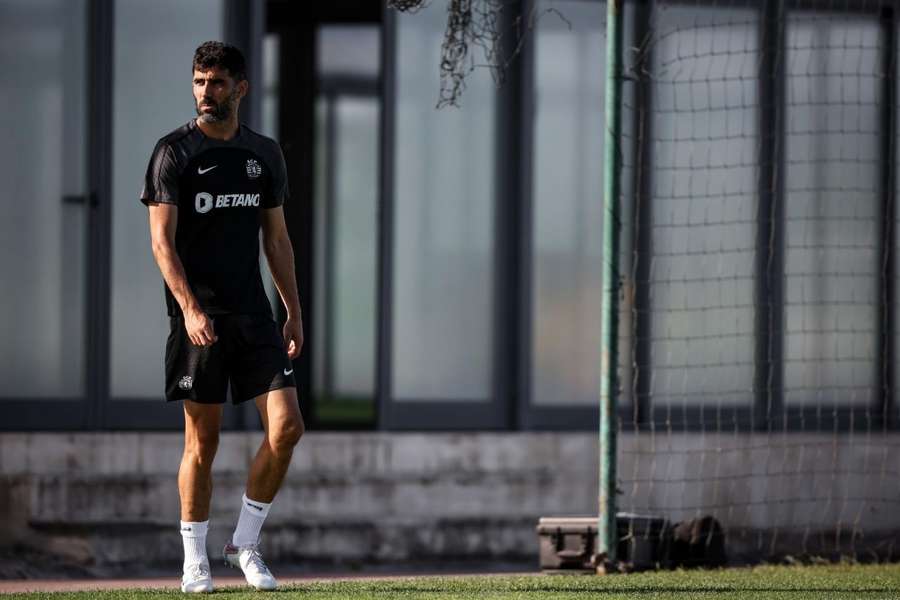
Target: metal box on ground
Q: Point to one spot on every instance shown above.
(568, 543)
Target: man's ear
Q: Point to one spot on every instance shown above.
(243, 87)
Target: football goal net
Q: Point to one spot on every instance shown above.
(757, 272)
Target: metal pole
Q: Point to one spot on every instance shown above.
(884, 407)
(770, 225)
(607, 537)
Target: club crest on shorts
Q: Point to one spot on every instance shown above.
(186, 382)
(254, 170)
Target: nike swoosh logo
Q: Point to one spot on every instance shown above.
(255, 506)
(201, 171)
(286, 372)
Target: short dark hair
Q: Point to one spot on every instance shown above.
(224, 56)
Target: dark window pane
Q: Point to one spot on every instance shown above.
(43, 237)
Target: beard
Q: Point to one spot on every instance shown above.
(221, 111)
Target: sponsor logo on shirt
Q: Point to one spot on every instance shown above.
(205, 202)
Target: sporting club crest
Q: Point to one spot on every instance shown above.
(254, 170)
(186, 382)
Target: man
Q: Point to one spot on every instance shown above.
(210, 186)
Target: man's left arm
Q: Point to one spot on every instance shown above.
(280, 256)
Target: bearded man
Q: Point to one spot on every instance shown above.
(211, 186)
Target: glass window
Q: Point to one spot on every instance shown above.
(704, 170)
(833, 210)
(348, 111)
(356, 197)
(349, 51)
(346, 203)
(443, 253)
(321, 192)
(154, 46)
(271, 50)
(269, 90)
(43, 235)
(567, 197)
(345, 382)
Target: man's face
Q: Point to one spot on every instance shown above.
(216, 94)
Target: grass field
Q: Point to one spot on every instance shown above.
(794, 583)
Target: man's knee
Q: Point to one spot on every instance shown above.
(201, 430)
(285, 435)
(201, 443)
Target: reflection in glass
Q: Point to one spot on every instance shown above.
(567, 221)
(443, 267)
(354, 249)
(152, 96)
(833, 200)
(349, 51)
(43, 164)
(346, 227)
(704, 172)
(269, 112)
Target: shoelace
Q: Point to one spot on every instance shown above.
(254, 558)
(198, 571)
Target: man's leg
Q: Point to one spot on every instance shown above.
(283, 425)
(201, 439)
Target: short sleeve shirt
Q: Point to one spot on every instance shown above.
(219, 187)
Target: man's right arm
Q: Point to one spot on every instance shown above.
(163, 223)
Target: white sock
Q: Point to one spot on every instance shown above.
(253, 515)
(193, 535)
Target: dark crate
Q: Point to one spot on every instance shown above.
(568, 543)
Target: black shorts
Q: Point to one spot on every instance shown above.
(249, 353)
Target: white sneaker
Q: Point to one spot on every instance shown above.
(248, 560)
(196, 579)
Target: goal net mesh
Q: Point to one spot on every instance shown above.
(758, 274)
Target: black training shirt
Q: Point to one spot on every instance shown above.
(219, 188)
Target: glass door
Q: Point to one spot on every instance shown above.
(151, 97)
(439, 342)
(348, 113)
(44, 232)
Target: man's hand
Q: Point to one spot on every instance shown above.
(293, 337)
(199, 328)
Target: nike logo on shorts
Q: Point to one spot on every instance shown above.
(201, 171)
(286, 372)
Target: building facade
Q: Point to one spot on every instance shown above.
(426, 278)
(449, 265)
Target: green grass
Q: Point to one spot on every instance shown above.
(343, 410)
(819, 583)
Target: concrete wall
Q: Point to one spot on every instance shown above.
(108, 498)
